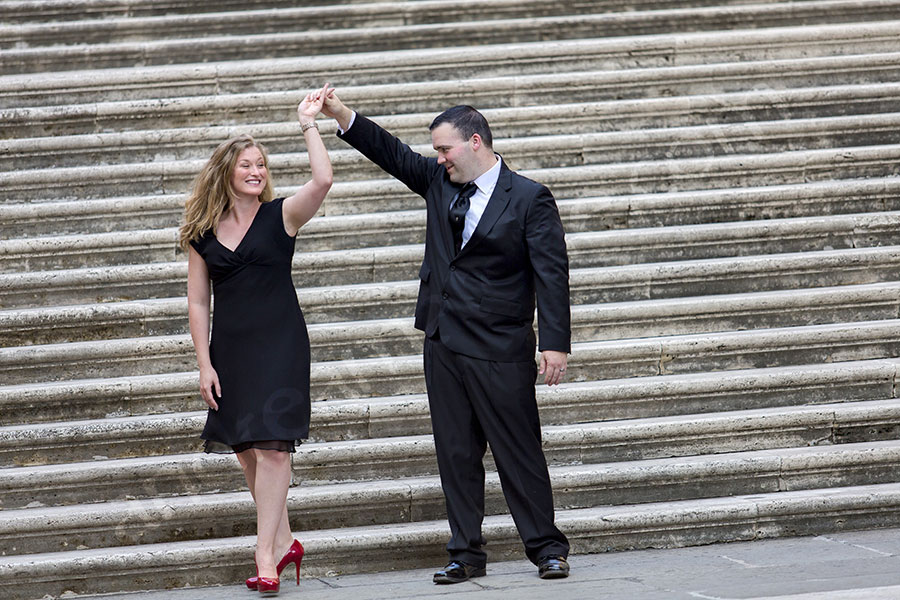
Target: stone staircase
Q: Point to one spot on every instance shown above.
(727, 175)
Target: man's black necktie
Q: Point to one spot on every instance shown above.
(458, 211)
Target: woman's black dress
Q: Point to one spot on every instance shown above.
(259, 345)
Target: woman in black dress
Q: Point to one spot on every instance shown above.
(254, 368)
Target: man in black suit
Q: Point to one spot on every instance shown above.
(490, 249)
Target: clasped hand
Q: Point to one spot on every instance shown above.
(311, 105)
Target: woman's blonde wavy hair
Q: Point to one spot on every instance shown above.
(212, 194)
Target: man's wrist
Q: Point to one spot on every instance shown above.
(345, 120)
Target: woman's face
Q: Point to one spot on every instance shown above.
(249, 175)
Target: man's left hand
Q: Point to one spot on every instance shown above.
(553, 366)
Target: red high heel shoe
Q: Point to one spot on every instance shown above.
(293, 555)
(268, 586)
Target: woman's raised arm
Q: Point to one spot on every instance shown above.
(303, 205)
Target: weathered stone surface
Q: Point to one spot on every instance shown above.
(733, 275)
(413, 456)
(329, 229)
(602, 529)
(396, 33)
(572, 167)
(315, 507)
(567, 144)
(431, 96)
(615, 53)
(588, 285)
(742, 349)
(347, 355)
(389, 416)
(612, 320)
(585, 249)
(731, 200)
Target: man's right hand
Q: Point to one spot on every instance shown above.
(334, 108)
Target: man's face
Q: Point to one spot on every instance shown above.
(455, 154)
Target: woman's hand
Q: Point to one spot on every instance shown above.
(311, 105)
(209, 382)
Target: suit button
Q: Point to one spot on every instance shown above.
(452, 267)
(445, 295)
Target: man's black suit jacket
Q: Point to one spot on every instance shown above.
(482, 300)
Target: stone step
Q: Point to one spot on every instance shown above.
(732, 275)
(585, 249)
(395, 34)
(716, 172)
(582, 180)
(421, 544)
(405, 500)
(58, 160)
(329, 229)
(422, 64)
(666, 415)
(256, 20)
(688, 116)
(371, 416)
(642, 357)
(368, 460)
(720, 313)
(431, 96)
(383, 353)
(26, 11)
(160, 317)
(264, 20)
(588, 286)
(734, 350)
(168, 316)
(89, 250)
(334, 420)
(714, 240)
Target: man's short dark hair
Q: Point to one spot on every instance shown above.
(467, 121)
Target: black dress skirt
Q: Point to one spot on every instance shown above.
(259, 345)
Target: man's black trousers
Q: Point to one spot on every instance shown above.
(475, 402)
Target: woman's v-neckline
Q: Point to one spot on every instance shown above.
(246, 233)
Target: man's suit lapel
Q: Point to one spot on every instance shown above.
(495, 207)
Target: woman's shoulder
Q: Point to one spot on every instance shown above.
(203, 241)
(273, 206)
(273, 209)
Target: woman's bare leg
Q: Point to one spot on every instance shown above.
(270, 471)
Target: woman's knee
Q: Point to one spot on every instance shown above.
(247, 459)
(272, 458)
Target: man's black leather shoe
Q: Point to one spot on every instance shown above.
(457, 572)
(553, 567)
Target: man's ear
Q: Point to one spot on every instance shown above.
(477, 142)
